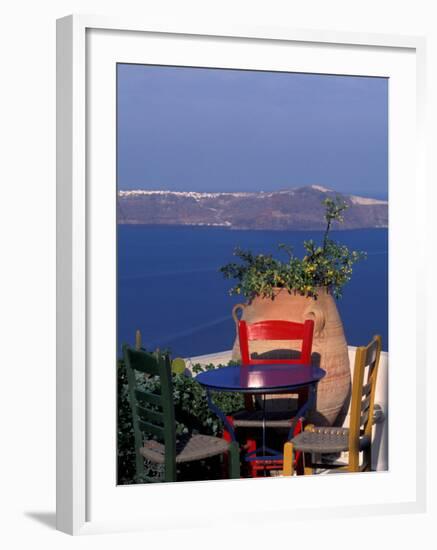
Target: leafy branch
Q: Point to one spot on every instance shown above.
(329, 265)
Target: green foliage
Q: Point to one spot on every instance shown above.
(328, 265)
(191, 408)
(125, 432)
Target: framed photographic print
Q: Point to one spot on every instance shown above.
(233, 295)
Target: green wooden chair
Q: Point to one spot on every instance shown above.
(153, 416)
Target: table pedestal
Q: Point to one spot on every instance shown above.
(266, 454)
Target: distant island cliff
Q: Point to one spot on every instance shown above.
(293, 209)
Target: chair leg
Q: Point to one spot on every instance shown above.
(354, 461)
(226, 434)
(251, 446)
(234, 460)
(299, 463)
(139, 463)
(367, 459)
(308, 469)
(298, 455)
(224, 465)
(288, 467)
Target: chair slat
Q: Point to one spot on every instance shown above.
(148, 415)
(371, 352)
(148, 398)
(143, 362)
(365, 403)
(275, 330)
(150, 428)
(366, 389)
(364, 418)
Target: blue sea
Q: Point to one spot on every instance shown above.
(169, 285)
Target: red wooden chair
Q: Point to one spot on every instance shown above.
(251, 418)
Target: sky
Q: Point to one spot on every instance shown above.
(197, 129)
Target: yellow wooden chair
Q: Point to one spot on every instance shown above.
(355, 439)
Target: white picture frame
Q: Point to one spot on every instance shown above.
(79, 423)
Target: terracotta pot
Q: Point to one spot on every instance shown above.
(329, 350)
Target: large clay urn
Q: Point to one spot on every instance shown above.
(329, 349)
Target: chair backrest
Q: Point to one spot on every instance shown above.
(276, 330)
(363, 392)
(152, 413)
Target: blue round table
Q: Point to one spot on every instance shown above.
(265, 378)
(268, 378)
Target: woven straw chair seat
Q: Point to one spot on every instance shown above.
(192, 447)
(254, 419)
(326, 440)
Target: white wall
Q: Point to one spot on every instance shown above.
(27, 125)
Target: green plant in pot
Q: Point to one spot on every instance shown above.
(303, 288)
